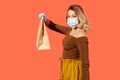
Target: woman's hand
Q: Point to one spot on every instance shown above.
(42, 16)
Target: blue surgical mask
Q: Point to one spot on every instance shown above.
(72, 22)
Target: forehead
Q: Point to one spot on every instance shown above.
(71, 12)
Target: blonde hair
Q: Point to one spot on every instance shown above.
(81, 16)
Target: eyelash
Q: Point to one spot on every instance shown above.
(72, 16)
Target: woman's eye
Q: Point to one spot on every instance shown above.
(74, 16)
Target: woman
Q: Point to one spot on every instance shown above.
(75, 59)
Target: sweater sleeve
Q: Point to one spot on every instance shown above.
(82, 44)
(57, 28)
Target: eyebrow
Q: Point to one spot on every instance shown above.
(72, 14)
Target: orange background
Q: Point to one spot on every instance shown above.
(19, 58)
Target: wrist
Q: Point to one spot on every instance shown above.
(47, 22)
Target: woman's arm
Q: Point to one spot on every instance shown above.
(56, 27)
(82, 44)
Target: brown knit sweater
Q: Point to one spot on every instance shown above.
(73, 48)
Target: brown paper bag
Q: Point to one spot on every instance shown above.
(42, 37)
